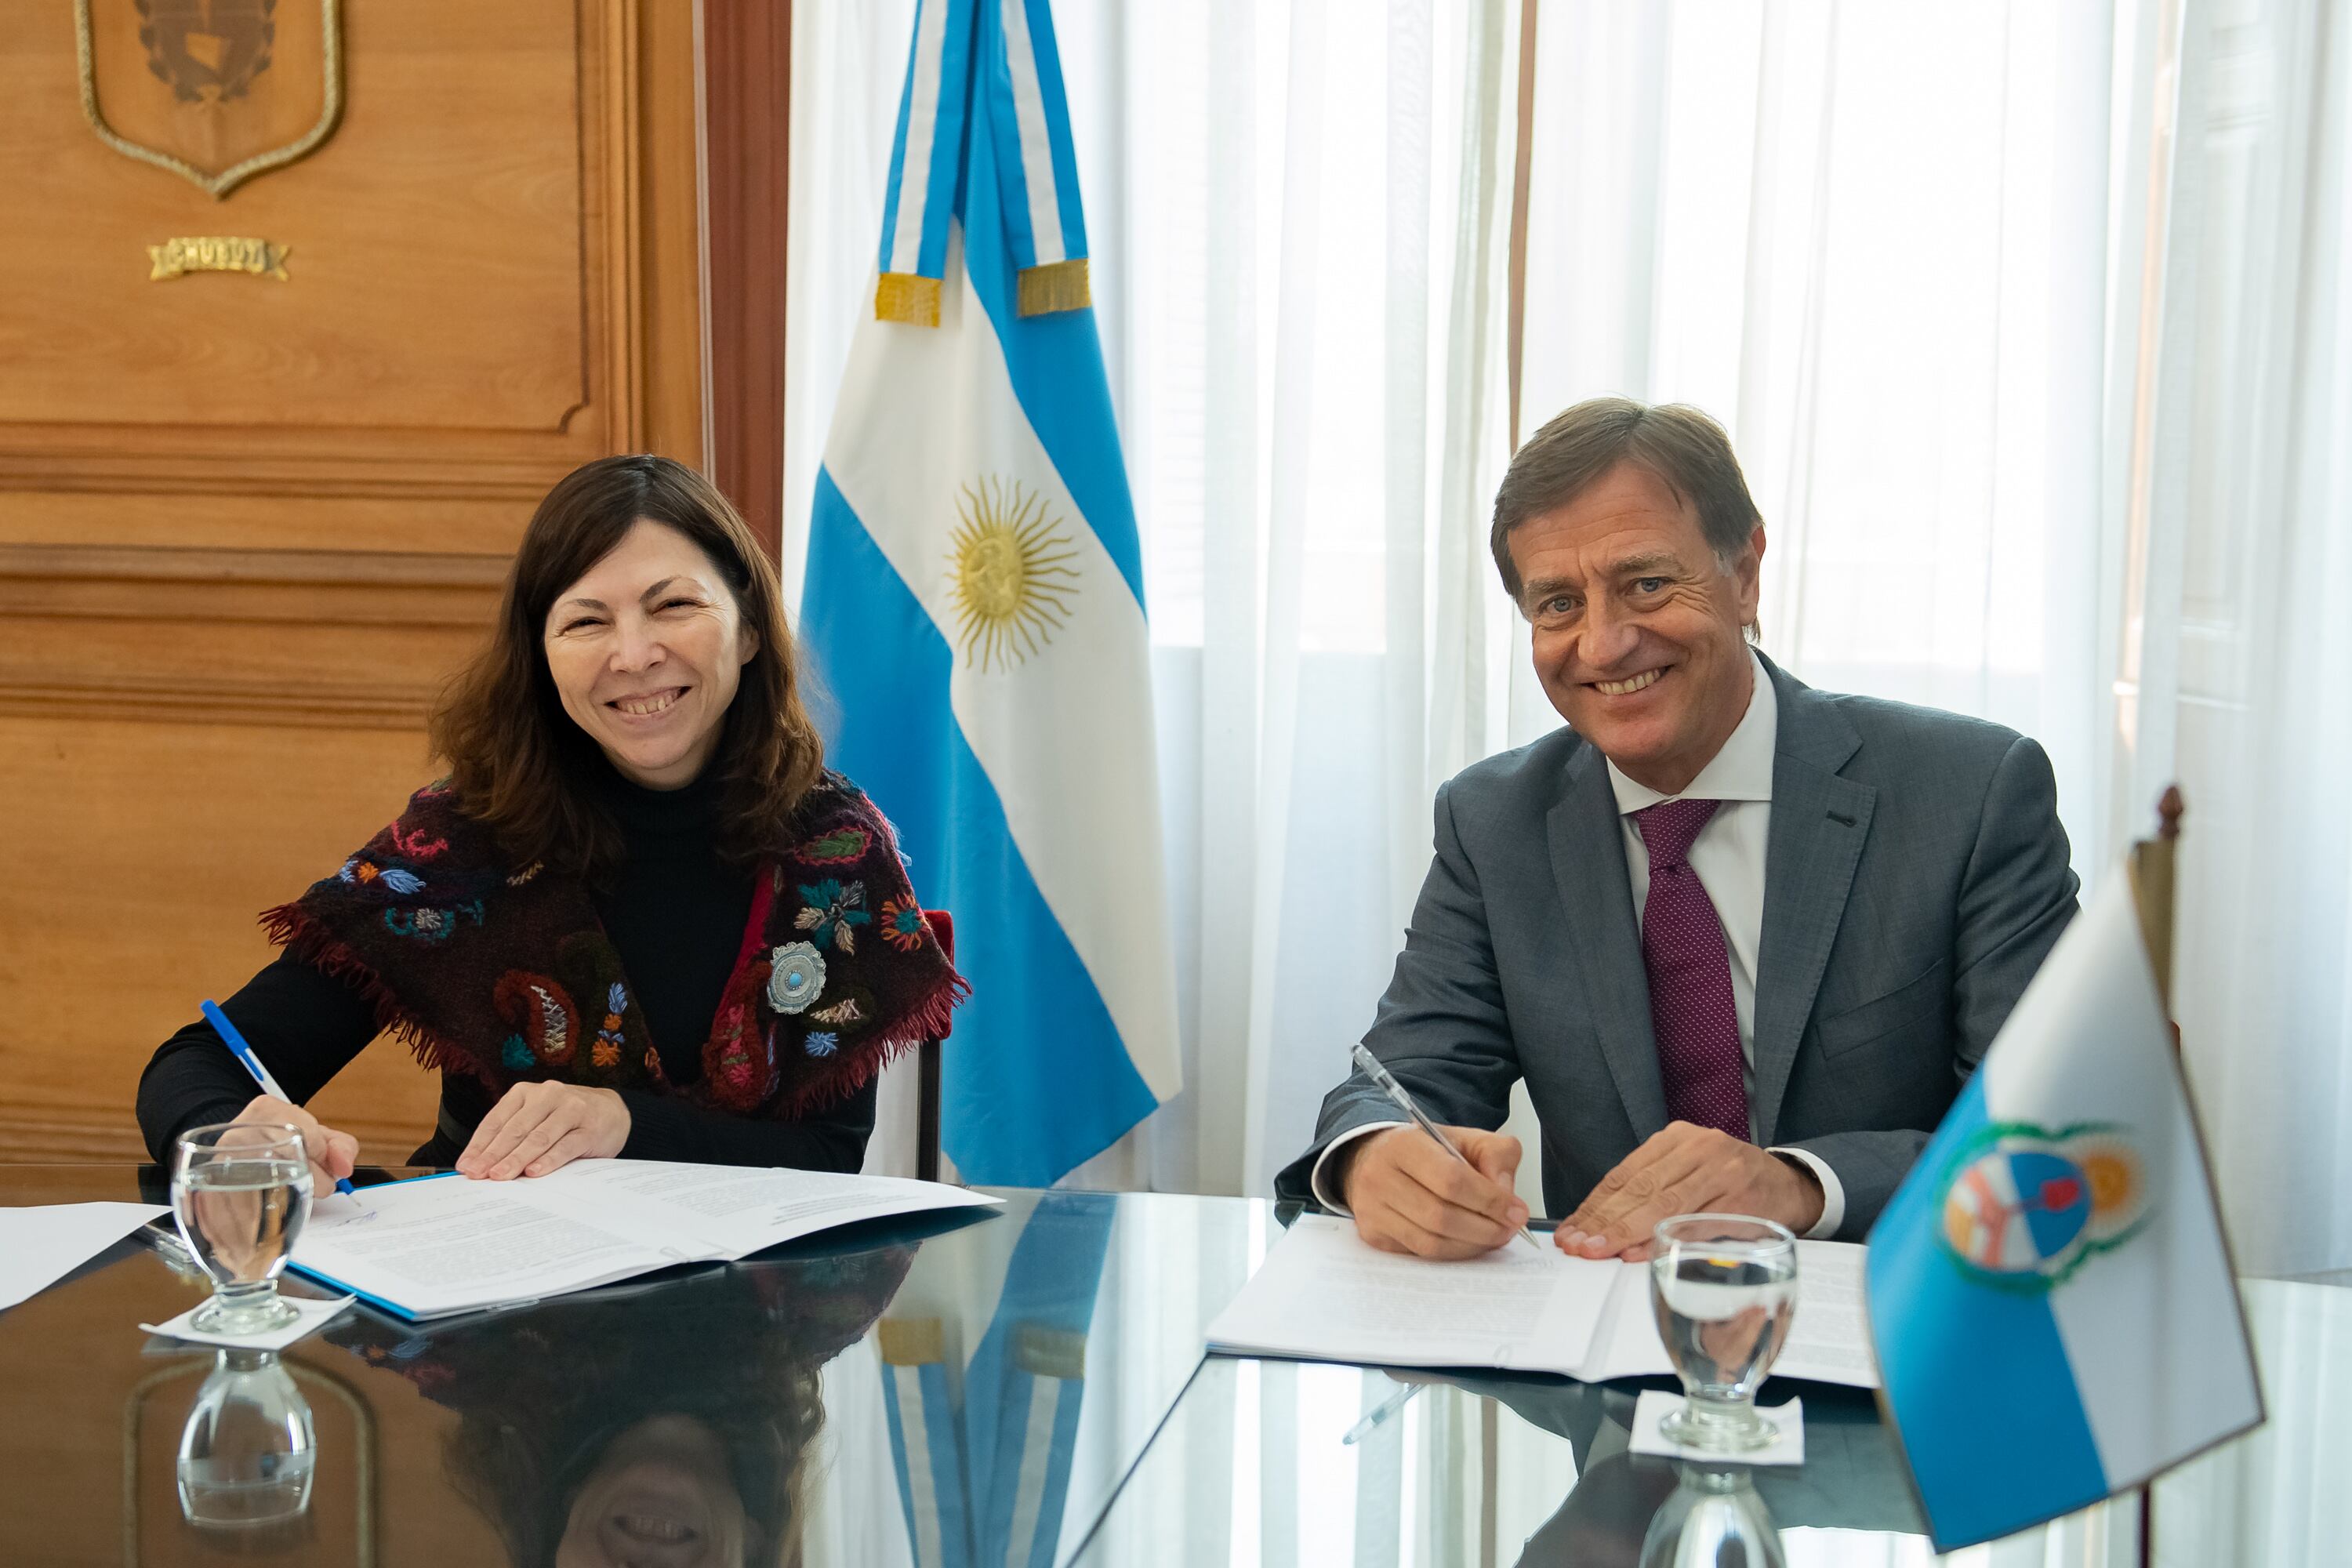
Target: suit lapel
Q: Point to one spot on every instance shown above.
(1588, 857)
(1819, 821)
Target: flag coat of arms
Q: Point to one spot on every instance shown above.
(2051, 1296)
(973, 607)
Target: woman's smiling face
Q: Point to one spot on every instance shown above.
(645, 650)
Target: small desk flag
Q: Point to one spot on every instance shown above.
(2050, 1293)
(974, 606)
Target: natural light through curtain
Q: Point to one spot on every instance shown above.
(2036, 413)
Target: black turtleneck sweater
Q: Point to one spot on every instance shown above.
(674, 913)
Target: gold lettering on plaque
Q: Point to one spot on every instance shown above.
(218, 253)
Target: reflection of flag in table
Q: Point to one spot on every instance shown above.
(984, 1451)
(974, 603)
(2052, 1303)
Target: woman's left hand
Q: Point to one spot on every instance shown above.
(536, 1128)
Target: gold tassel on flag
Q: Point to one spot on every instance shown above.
(1058, 286)
(908, 297)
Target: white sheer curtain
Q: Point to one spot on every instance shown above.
(2241, 582)
(1298, 213)
(2029, 324)
(1872, 240)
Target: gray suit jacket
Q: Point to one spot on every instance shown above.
(1915, 877)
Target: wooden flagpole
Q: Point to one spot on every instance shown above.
(2151, 867)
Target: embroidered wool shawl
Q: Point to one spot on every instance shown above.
(505, 972)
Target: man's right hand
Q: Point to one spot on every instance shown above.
(1410, 1195)
(332, 1154)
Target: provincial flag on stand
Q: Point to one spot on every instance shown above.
(2051, 1296)
(974, 605)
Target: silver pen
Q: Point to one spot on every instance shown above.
(1369, 1066)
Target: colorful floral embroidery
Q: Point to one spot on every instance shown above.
(526, 874)
(846, 1011)
(431, 924)
(835, 912)
(742, 1069)
(903, 924)
(516, 1055)
(795, 977)
(360, 872)
(415, 845)
(842, 846)
(542, 1014)
(821, 1043)
(607, 1050)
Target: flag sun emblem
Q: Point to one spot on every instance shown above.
(1011, 573)
(2024, 1206)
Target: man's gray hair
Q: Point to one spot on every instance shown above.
(1688, 452)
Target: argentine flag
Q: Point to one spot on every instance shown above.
(974, 605)
(2050, 1293)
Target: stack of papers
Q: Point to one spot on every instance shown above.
(1325, 1295)
(40, 1246)
(439, 1245)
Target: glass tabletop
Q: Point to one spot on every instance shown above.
(1026, 1387)
(1266, 1463)
(855, 1399)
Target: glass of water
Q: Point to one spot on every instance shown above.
(241, 1192)
(1725, 1290)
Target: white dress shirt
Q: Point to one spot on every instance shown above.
(1727, 857)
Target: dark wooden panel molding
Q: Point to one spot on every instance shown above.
(747, 72)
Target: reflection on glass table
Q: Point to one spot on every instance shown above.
(974, 1392)
(763, 1405)
(1253, 1468)
(248, 1449)
(1019, 1371)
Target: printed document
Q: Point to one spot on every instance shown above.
(43, 1243)
(439, 1245)
(1325, 1295)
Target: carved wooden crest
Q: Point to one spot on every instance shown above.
(215, 90)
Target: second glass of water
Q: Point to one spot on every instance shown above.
(241, 1192)
(1724, 1291)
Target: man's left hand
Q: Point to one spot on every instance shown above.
(1687, 1169)
(536, 1128)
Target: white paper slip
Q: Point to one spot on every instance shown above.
(1828, 1341)
(1323, 1294)
(1655, 1405)
(40, 1246)
(439, 1245)
(311, 1316)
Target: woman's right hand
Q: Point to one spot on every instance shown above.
(332, 1154)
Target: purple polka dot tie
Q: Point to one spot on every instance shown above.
(1691, 1010)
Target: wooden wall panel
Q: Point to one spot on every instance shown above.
(248, 527)
(747, 77)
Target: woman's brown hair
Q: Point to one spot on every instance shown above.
(519, 764)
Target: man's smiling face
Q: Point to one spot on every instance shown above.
(1638, 625)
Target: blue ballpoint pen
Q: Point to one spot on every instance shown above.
(244, 1054)
(1385, 1081)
